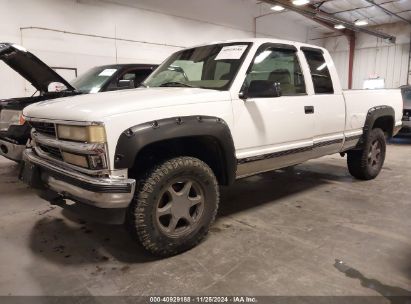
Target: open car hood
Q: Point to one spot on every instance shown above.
(39, 74)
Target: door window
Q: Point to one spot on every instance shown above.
(319, 72)
(136, 76)
(280, 66)
(140, 76)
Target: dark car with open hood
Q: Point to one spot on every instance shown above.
(14, 131)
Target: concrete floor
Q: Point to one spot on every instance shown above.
(276, 234)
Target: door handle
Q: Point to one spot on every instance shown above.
(309, 109)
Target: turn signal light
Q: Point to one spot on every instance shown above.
(22, 121)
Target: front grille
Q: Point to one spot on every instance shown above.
(44, 128)
(52, 151)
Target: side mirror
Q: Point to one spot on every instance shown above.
(125, 84)
(262, 89)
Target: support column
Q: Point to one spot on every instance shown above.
(409, 65)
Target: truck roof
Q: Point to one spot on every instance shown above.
(127, 65)
(262, 41)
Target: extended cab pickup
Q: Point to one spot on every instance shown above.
(154, 157)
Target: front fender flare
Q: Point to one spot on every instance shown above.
(134, 139)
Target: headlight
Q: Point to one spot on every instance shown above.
(8, 118)
(91, 134)
(12, 116)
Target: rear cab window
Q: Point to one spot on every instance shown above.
(320, 73)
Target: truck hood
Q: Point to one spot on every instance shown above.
(39, 74)
(96, 107)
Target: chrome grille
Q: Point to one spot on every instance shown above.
(44, 128)
(52, 151)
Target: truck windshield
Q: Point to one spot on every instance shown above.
(93, 80)
(209, 67)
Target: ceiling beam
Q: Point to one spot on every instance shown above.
(388, 11)
(323, 17)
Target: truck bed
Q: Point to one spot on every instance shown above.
(358, 103)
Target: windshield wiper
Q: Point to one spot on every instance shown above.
(175, 84)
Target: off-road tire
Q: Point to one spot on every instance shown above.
(142, 218)
(358, 161)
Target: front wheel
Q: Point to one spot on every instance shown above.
(175, 205)
(367, 163)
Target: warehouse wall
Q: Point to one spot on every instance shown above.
(133, 31)
(374, 57)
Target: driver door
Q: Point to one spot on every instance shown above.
(273, 132)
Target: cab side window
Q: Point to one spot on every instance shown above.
(319, 72)
(141, 75)
(136, 77)
(280, 66)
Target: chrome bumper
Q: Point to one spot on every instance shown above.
(11, 151)
(98, 192)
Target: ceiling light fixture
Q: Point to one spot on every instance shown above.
(277, 8)
(339, 26)
(300, 2)
(361, 22)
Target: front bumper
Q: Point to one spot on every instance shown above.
(11, 150)
(108, 195)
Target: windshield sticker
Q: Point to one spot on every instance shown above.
(107, 72)
(231, 52)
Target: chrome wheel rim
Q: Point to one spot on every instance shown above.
(374, 154)
(180, 207)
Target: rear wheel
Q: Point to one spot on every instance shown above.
(174, 206)
(366, 164)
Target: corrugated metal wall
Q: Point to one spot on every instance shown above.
(388, 62)
(374, 57)
(341, 62)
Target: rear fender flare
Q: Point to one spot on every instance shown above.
(372, 116)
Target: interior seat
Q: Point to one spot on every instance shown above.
(283, 77)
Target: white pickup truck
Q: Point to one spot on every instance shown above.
(154, 157)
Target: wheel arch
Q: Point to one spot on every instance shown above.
(382, 117)
(205, 137)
